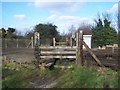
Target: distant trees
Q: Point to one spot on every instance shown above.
(71, 31)
(47, 30)
(103, 33)
(2, 33)
(9, 33)
(85, 26)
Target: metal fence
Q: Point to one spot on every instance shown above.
(15, 43)
(22, 43)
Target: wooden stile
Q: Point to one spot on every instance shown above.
(73, 52)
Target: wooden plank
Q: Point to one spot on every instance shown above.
(29, 44)
(93, 55)
(58, 57)
(57, 47)
(57, 66)
(58, 52)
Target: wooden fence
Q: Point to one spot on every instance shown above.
(57, 52)
(68, 52)
(60, 50)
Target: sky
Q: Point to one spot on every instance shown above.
(25, 15)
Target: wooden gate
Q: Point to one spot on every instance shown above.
(68, 52)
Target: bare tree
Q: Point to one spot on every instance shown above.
(71, 31)
(85, 26)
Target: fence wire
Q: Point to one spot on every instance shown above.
(15, 43)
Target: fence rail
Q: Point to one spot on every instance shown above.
(59, 50)
(57, 47)
(54, 52)
(48, 57)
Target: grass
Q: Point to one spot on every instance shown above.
(85, 77)
(17, 76)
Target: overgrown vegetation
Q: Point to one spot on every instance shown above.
(19, 76)
(16, 78)
(85, 77)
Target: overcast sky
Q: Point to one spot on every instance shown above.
(25, 15)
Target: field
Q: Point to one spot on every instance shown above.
(15, 75)
(19, 54)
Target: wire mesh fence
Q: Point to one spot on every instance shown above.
(24, 43)
(15, 43)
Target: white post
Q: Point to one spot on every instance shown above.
(54, 41)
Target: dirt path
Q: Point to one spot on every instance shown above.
(43, 82)
(47, 85)
(19, 54)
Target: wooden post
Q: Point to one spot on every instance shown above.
(71, 41)
(54, 41)
(76, 47)
(17, 42)
(79, 49)
(37, 38)
(67, 41)
(113, 49)
(6, 41)
(32, 42)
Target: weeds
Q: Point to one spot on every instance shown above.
(83, 77)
